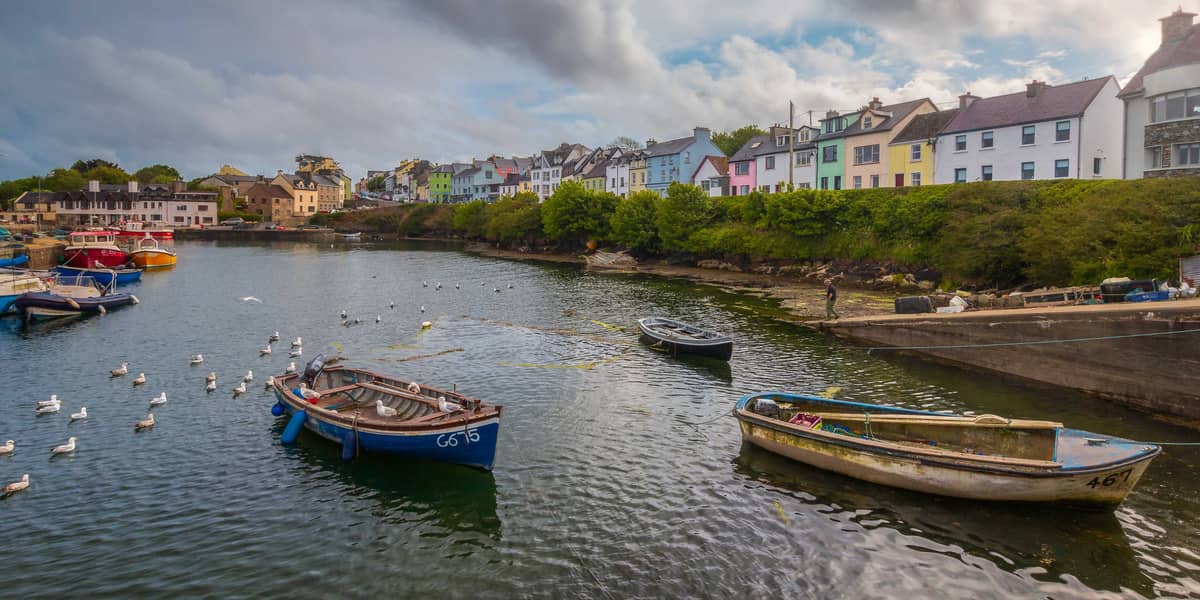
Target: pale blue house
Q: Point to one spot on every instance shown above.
(677, 160)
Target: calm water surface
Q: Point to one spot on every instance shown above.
(617, 475)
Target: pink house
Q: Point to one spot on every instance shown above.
(741, 167)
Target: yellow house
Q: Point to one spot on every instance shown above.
(910, 155)
(637, 173)
(867, 140)
(302, 191)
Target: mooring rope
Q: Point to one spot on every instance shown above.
(870, 349)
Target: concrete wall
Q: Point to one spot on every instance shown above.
(257, 235)
(1159, 374)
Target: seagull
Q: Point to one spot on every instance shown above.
(249, 375)
(121, 370)
(8, 447)
(264, 351)
(140, 379)
(422, 309)
(391, 305)
(48, 410)
(357, 321)
(308, 393)
(197, 359)
(53, 400)
(438, 286)
(296, 352)
(446, 406)
(480, 284)
(211, 386)
(212, 376)
(424, 284)
(82, 414)
(291, 368)
(270, 381)
(345, 323)
(240, 389)
(384, 411)
(296, 342)
(456, 286)
(17, 486)
(160, 400)
(274, 337)
(497, 290)
(147, 423)
(510, 286)
(65, 448)
(251, 299)
(378, 318)
(343, 313)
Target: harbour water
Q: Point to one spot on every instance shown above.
(619, 473)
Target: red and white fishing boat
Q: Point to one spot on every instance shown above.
(91, 249)
(136, 230)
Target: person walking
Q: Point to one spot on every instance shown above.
(830, 299)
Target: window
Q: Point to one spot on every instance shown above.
(764, 188)
(745, 190)
(687, 158)
(874, 181)
(178, 219)
(802, 186)
(1062, 168)
(487, 174)
(1026, 170)
(837, 182)
(733, 190)
(866, 122)
(914, 152)
(804, 135)
(960, 175)
(829, 154)
(1189, 155)
(915, 178)
(1062, 131)
(858, 182)
(866, 154)
(987, 139)
(704, 184)
(824, 183)
(803, 159)
(960, 143)
(783, 140)
(1193, 103)
(622, 182)
(741, 168)
(208, 219)
(770, 163)
(202, 208)
(1096, 162)
(985, 172)
(1028, 135)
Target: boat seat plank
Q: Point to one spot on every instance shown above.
(394, 391)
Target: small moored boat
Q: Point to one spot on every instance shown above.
(104, 277)
(49, 305)
(87, 249)
(677, 336)
(149, 254)
(351, 236)
(983, 457)
(365, 411)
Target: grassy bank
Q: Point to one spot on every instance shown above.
(977, 234)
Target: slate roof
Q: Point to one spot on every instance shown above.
(467, 172)
(269, 189)
(746, 152)
(770, 147)
(234, 179)
(597, 171)
(505, 163)
(1182, 51)
(721, 164)
(669, 147)
(925, 126)
(444, 169)
(898, 112)
(1053, 102)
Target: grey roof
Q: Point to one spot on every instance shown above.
(597, 171)
(746, 152)
(234, 179)
(467, 172)
(923, 127)
(771, 147)
(1053, 102)
(837, 134)
(444, 169)
(322, 180)
(669, 147)
(1184, 50)
(897, 111)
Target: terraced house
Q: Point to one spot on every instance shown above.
(867, 140)
(676, 160)
(440, 183)
(831, 149)
(549, 167)
(771, 159)
(911, 152)
(742, 167)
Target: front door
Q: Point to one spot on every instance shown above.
(899, 179)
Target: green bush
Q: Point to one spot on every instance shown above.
(573, 214)
(232, 214)
(634, 221)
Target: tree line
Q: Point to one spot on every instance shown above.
(77, 175)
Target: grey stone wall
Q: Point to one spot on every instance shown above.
(1173, 132)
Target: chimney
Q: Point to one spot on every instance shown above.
(966, 100)
(875, 104)
(831, 114)
(1175, 27)
(651, 142)
(1034, 88)
(278, 172)
(701, 133)
(133, 186)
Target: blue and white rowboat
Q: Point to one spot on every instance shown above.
(345, 409)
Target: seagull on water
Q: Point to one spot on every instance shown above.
(251, 299)
(270, 381)
(424, 284)
(296, 352)
(17, 486)
(140, 379)
(147, 423)
(53, 400)
(274, 337)
(497, 290)
(197, 359)
(82, 414)
(121, 370)
(510, 286)
(212, 376)
(447, 406)
(383, 410)
(456, 286)
(249, 375)
(422, 309)
(378, 318)
(8, 447)
(211, 386)
(66, 448)
(291, 368)
(240, 389)
(438, 286)
(159, 400)
(343, 313)
(49, 410)
(391, 305)
(264, 351)
(296, 342)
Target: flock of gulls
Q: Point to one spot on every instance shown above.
(53, 405)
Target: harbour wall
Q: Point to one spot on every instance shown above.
(258, 235)
(42, 255)
(1147, 357)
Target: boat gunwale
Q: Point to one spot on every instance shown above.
(645, 325)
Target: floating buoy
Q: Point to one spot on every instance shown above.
(349, 445)
(277, 410)
(103, 311)
(295, 424)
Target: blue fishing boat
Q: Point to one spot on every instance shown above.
(15, 261)
(104, 277)
(368, 412)
(981, 457)
(14, 283)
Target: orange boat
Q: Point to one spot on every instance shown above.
(148, 254)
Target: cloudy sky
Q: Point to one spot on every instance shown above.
(253, 83)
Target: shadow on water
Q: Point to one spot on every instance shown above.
(1045, 542)
(713, 367)
(457, 498)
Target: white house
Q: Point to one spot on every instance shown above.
(167, 204)
(547, 172)
(771, 159)
(1067, 131)
(712, 175)
(617, 173)
(1162, 105)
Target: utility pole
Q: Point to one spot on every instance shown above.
(791, 143)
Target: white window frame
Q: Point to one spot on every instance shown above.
(914, 179)
(1068, 168)
(914, 152)
(1058, 129)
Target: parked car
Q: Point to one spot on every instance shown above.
(235, 221)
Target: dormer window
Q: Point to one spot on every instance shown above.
(783, 140)
(866, 122)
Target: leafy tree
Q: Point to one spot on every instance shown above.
(12, 189)
(106, 174)
(685, 210)
(376, 184)
(471, 218)
(731, 141)
(572, 214)
(626, 143)
(84, 166)
(64, 180)
(514, 219)
(633, 221)
(159, 173)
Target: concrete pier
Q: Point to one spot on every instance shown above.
(1159, 373)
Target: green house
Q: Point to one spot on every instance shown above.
(831, 150)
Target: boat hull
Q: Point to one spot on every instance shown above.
(101, 276)
(43, 305)
(719, 348)
(85, 257)
(153, 259)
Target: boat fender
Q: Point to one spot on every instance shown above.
(295, 424)
(72, 303)
(103, 311)
(135, 299)
(349, 445)
(414, 387)
(277, 410)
